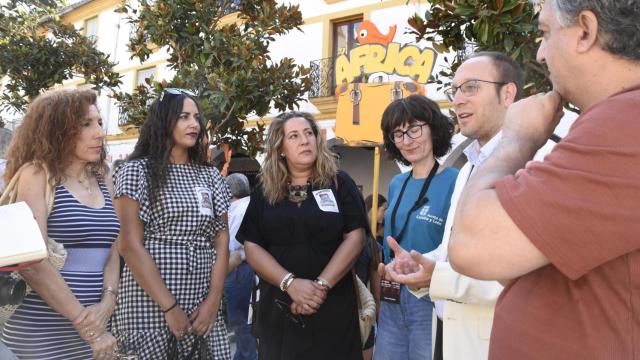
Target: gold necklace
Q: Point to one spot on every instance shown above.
(84, 183)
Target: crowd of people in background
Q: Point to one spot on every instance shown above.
(523, 253)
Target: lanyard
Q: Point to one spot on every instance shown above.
(470, 172)
(420, 201)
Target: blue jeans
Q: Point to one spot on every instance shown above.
(404, 329)
(237, 288)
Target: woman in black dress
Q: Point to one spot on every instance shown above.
(302, 232)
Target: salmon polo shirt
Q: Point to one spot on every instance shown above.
(581, 209)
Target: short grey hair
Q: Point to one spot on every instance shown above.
(618, 23)
(238, 185)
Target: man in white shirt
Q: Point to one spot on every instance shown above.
(484, 86)
(240, 280)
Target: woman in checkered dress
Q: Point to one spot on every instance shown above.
(173, 211)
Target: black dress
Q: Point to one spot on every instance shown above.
(303, 240)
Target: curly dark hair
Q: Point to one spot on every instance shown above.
(49, 132)
(416, 108)
(156, 138)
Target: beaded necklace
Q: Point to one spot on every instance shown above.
(298, 193)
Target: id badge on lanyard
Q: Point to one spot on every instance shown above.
(390, 290)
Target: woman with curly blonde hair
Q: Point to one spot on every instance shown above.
(66, 315)
(302, 231)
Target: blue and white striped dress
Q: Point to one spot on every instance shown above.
(36, 331)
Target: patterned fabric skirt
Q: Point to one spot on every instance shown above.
(155, 344)
(139, 323)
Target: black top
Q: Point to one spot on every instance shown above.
(303, 240)
(363, 263)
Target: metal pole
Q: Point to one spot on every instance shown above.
(374, 191)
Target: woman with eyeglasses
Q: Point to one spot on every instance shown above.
(302, 231)
(415, 133)
(174, 239)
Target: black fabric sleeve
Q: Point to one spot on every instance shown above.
(250, 227)
(353, 210)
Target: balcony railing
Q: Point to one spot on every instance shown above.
(123, 119)
(322, 77)
(232, 7)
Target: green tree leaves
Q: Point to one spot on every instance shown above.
(484, 25)
(227, 64)
(38, 51)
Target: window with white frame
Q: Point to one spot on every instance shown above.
(147, 73)
(91, 28)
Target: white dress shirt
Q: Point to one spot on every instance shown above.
(236, 214)
(477, 154)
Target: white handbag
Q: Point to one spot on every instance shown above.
(56, 254)
(17, 222)
(366, 307)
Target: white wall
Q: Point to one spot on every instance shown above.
(311, 8)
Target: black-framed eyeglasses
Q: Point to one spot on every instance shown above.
(469, 88)
(175, 91)
(286, 310)
(413, 132)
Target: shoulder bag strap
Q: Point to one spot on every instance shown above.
(11, 191)
(49, 193)
(356, 289)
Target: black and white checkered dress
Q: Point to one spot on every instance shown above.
(178, 230)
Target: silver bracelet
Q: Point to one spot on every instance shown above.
(111, 290)
(324, 283)
(286, 281)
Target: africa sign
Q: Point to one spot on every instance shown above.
(377, 54)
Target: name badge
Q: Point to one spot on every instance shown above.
(326, 201)
(205, 204)
(390, 291)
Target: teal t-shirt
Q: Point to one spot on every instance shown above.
(425, 227)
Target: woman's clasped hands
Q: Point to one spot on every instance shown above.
(307, 296)
(91, 325)
(200, 322)
(178, 322)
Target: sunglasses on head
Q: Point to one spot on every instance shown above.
(175, 91)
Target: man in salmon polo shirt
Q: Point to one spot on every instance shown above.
(564, 234)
